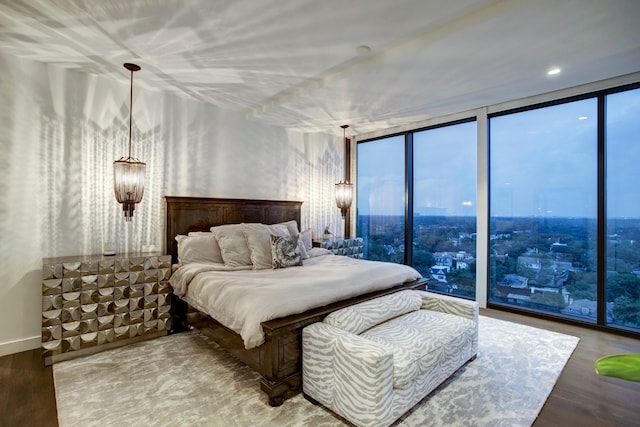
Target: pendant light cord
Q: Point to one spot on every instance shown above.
(130, 112)
(346, 154)
(344, 141)
(132, 68)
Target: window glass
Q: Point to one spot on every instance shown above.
(444, 206)
(623, 209)
(380, 198)
(543, 209)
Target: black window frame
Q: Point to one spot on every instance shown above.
(408, 181)
(600, 324)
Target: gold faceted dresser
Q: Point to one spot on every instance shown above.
(91, 303)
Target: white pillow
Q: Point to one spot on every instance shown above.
(233, 245)
(292, 226)
(302, 249)
(217, 256)
(307, 238)
(259, 242)
(198, 248)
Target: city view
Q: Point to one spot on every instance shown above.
(552, 173)
(544, 264)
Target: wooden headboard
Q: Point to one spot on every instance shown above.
(185, 214)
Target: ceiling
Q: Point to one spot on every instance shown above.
(297, 63)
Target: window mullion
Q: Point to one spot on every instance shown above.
(602, 216)
(408, 197)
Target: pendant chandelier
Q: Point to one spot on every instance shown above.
(128, 172)
(344, 189)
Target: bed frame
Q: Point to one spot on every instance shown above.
(279, 358)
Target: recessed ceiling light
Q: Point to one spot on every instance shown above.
(554, 71)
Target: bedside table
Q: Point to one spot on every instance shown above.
(95, 302)
(347, 247)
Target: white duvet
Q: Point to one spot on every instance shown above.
(242, 298)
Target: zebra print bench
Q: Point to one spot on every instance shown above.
(371, 362)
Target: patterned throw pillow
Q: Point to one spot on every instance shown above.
(285, 252)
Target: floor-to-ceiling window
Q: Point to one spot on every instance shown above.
(564, 209)
(622, 139)
(381, 198)
(444, 207)
(429, 175)
(543, 167)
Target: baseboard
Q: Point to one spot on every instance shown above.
(18, 346)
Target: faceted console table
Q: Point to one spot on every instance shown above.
(91, 303)
(347, 247)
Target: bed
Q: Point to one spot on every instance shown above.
(277, 358)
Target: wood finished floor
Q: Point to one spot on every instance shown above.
(580, 397)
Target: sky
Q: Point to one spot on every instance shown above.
(444, 176)
(543, 162)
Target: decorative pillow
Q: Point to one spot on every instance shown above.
(217, 256)
(307, 238)
(259, 242)
(233, 245)
(292, 226)
(198, 248)
(285, 252)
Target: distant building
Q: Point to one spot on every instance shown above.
(454, 260)
(546, 289)
(439, 272)
(558, 247)
(529, 262)
(514, 281)
(500, 236)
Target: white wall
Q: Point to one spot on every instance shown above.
(61, 132)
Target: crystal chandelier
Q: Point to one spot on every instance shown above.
(128, 172)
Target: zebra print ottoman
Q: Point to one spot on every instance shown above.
(373, 361)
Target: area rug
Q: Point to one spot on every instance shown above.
(187, 380)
